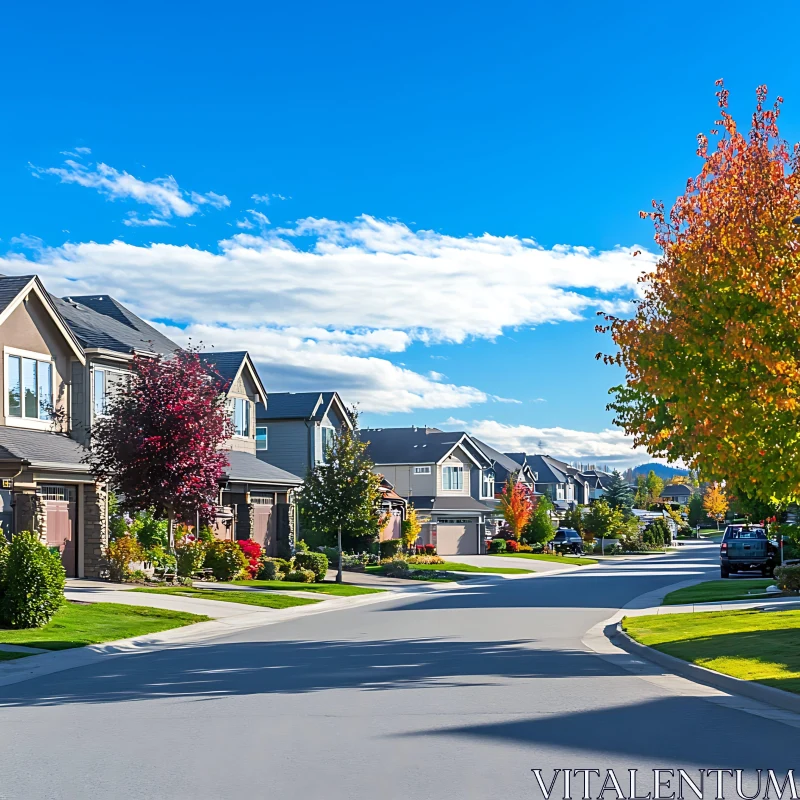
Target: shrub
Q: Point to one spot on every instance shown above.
(120, 554)
(512, 545)
(331, 553)
(226, 560)
(390, 548)
(189, 558)
(300, 576)
(316, 562)
(425, 560)
(270, 570)
(284, 564)
(397, 569)
(300, 546)
(31, 582)
(788, 578)
(527, 548)
(634, 544)
(497, 546)
(253, 552)
(425, 550)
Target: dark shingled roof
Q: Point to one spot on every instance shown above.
(504, 465)
(246, 468)
(99, 321)
(295, 405)
(40, 448)
(409, 445)
(444, 503)
(10, 287)
(226, 365)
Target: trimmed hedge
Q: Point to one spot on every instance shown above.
(31, 582)
(497, 546)
(316, 562)
(390, 548)
(788, 578)
(300, 576)
(270, 570)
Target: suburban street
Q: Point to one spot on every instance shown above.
(452, 693)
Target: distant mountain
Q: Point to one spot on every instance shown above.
(662, 470)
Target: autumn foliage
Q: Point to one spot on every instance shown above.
(715, 502)
(159, 444)
(712, 353)
(516, 506)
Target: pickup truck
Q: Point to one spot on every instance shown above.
(744, 547)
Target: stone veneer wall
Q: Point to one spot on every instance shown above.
(95, 529)
(30, 515)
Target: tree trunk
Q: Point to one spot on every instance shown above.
(171, 530)
(602, 545)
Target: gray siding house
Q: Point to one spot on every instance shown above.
(294, 429)
(445, 476)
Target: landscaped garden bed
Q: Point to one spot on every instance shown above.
(751, 645)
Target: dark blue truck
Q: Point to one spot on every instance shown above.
(746, 547)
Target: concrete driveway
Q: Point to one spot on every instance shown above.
(447, 694)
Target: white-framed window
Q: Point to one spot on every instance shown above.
(422, 470)
(328, 435)
(240, 416)
(560, 491)
(105, 382)
(29, 387)
(262, 439)
(487, 484)
(452, 479)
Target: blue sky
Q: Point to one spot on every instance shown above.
(406, 134)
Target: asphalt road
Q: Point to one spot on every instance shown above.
(457, 694)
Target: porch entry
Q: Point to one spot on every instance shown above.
(61, 511)
(263, 525)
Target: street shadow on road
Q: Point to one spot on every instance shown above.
(252, 668)
(664, 731)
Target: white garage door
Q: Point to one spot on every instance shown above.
(457, 539)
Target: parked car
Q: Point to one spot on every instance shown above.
(744, 547)
(567, 540)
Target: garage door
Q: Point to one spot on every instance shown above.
(457, 539)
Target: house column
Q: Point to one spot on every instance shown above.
(245, 521)
(95, 529)
(29, 512)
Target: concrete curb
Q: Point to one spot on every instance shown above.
(755, 691)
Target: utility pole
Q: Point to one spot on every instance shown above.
(339, 570)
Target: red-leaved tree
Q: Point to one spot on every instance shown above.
(516, 505)
(159, 444)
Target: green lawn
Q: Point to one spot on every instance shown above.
(579, 560)
(5, 655)
(246, 598)
(76, 625)
(752, 645)
(454, 566)
(336, 589)
(717, 591)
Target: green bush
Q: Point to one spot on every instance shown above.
(390, 548)
(300, 546)
(190, 557)
(31, 582)
(332, 554)
(397, 569)
(226, 560)
(300, 576)
(497, 546)
(270, 570)
(788, 578)
(284, 564)
(316, 562)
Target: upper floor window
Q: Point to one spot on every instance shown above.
(328, 435)
(105, 383)
(240, 415)
(560, 491)
(452, 479)
(30, 388)
(261, 437)
(422, 470)
(487, 484)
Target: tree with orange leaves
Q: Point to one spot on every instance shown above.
(516, 505)
(715, 503)
(712, 353)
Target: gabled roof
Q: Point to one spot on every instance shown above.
(504, 465)
(677, 490)
(416, 445)
(100, 322)
(312, 406)
(246, 468)
(15, 288)
(444, 503)
(549, 470)
(228, 366)
(41, 449)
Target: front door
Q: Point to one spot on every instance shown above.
(61, 510)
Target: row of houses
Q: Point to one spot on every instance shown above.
(63, 359)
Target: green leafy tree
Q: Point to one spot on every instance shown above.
(343, 493)
(696, 511)
(654, 486)
(618, 494)
(642, 498)
(603, 521)
(411, 527)
(539, 528)
(574, 519)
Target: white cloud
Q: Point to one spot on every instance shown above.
(609, 446)
(319, 317)
(133, 220)
(260, 198)
(246, 224)
(499, 399)
(162, 194)
(84, 151)
(453, 422)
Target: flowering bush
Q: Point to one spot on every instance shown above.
(252, 551)
(512, 546)
(425, 560)
(425, 550)
(120, 554)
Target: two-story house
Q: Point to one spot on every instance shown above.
(46, 486)
(445, 476)
(256, 497)
(295, 429)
